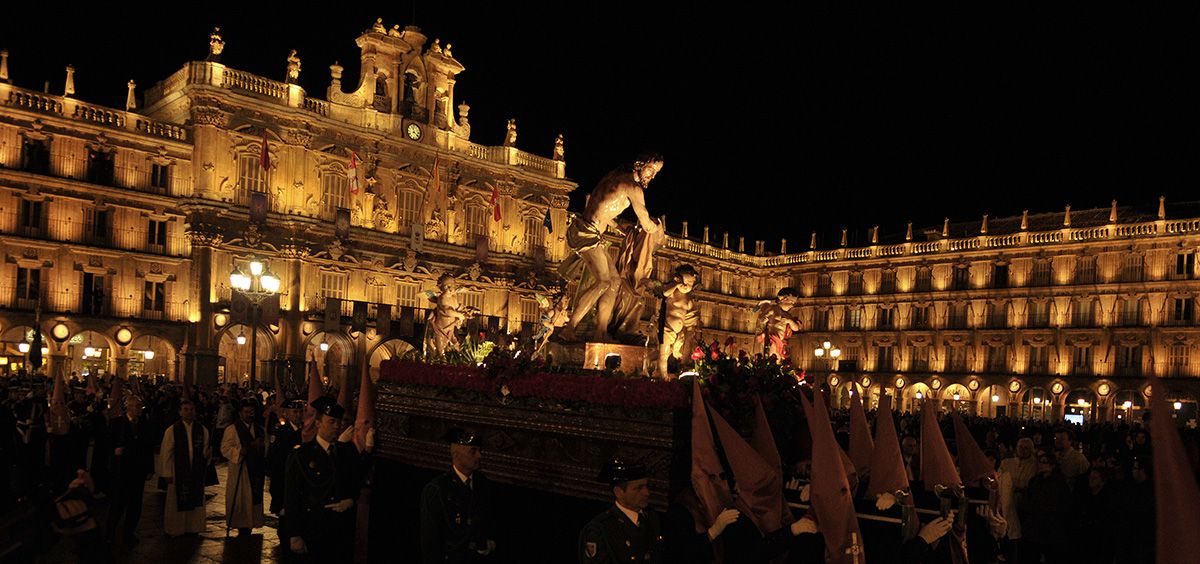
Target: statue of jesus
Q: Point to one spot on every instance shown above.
(619, 190)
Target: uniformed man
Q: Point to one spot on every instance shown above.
(322, 483)
(625, 532)
(456, 521)
(284, 439)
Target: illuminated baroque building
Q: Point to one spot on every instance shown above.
(125, 225)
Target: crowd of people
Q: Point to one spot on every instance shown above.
(78, 455)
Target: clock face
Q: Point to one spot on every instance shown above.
(1014, 386)
(414, 131)
(1103, 389)
(1057, 388)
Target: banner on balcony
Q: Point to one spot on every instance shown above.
(341, 224)
(258, 208)
(358, 317)
(416, 239)
(383, 324)
(269, 314)
(333, 313)
(239, 309)
(481, 247)
(407, 321)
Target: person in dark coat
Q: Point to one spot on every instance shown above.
(625, 532)
(322, 483)
(284, 439)
(132, 463)
(456, 514)
(1044, 509)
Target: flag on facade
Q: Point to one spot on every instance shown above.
(265, 158)
(383, 320)
(333, 313)
(548, 222)
(496, 203)
(435, 180)
(358, 316)
(832, 500)
(354, 188)
(860, 437)
(1177, 497)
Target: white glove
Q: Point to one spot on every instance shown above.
(346, 435)
(340, 506)
(884, 501)
(297, 545)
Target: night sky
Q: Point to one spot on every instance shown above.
(774, 121)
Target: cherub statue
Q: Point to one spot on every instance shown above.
(776, 322)
(510, 138)
(555, 313)
(378, 26)
(447, 316)
(681, 319)
(558, 147)
(436, 47)
(447, 51)
(293, 67)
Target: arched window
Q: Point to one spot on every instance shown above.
(409, 209)
(251, 176)
(535, 235)
(334, 188)
(476, 220)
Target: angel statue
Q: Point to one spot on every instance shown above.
(555, 313)
(447, 316)
(777, 321)
(681, 320)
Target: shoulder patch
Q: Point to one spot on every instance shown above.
(589, 549)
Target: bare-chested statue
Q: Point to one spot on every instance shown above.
(446, 317)
(681, 319)
(620, 189)
(777, 321)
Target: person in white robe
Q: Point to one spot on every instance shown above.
(245, 448)
(183, 463)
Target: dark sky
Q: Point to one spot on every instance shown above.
(774, 121)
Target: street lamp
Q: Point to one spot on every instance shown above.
(827, 349)
(258, 286)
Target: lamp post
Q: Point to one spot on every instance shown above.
(258, 286)
(827, 350)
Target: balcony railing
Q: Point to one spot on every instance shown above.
(82, 233)
(137, 307)
(74, 109)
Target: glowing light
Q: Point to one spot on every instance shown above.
(241, 339)
(23, 347)
(1037, 401)
(819, 352)
(239, 280)
(149, 355)
(89, 351)
(995, 399)
(826, 345)
(1178, 405)
(270, 282)
(256, 267)
(920, 395)
(835, 353)
(45, 351)
(689, 374)
(957, 397)
(124, 335)
(1128, 404)
(1082, 402)
(324, 347)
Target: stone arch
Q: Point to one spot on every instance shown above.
(102, 359)
(386, 350)
(151, 355)
(10, 338)
(333, 364)
(234, 363)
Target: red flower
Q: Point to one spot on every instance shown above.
(697, 354)
(714, 354)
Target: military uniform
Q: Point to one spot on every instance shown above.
(284, 440)
(316, 478)
(456, 516)
(611, 538)
(455, 519)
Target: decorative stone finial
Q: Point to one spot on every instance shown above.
(293, 68)
(4, 65)
(216, 45)
(875, 235)
(463, 110)
(558, 147)
(684, 234)
(725, 241)
(783, 246)
(335, 75)
(983, 226)
(705, 234)
(1112, 213)
(843, 236)
(130, 97)
(1067, 216)
(741, 244)
(1162, 207)
(946, 227)
(1024, 220)
(908, 232)
(812, 242)
(69, 89)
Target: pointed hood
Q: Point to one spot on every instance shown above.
(1175, 490)
(343, 398)
(860, 437)
(364, 420)
(117, 396)
(887, 461)
(937, 466)
(59, 395)
(832, 500)
(91, 383)
(708, 481)
(759, 484)
(310, 414)
(972, 463)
